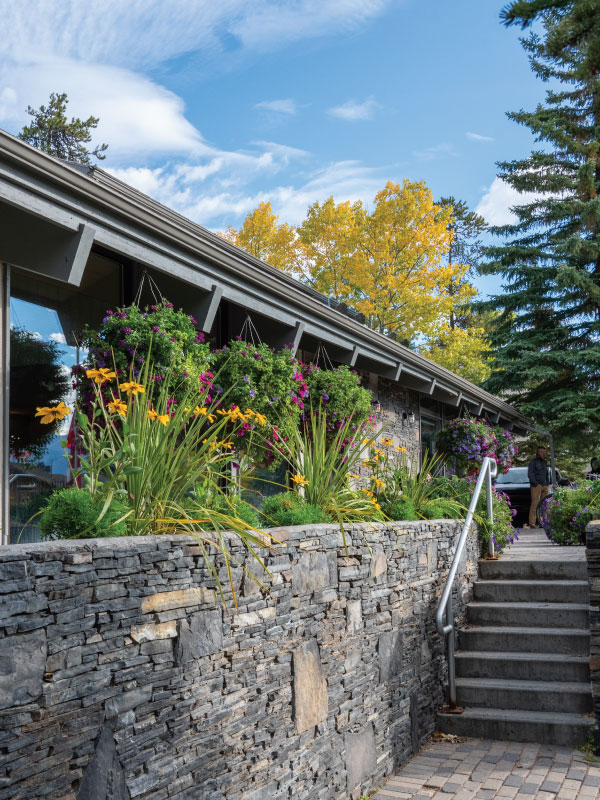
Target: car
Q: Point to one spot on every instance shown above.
(515, 484)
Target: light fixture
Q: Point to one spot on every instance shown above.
(408, 417)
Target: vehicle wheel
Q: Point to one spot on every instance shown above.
(540, 511)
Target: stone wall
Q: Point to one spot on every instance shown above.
(122, 677)
(593, 561)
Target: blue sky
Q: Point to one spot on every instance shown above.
(213, 107)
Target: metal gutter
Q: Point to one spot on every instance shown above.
(114, 197)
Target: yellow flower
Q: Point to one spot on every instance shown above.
(202, 411)
(260, 418)
(132, 388)
(379, 452)
(353, 475)
(50, 414)
(367, 463)
(387, 442)
(162, 418)
(300, 479)
(100, 375)
(117, 406)
(367, 491)
(226, 445)
(400, 449)
(379, 484)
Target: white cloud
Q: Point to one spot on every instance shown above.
(436, 151)
(97, 50)
(59, 338)
(495, 205)
(227, 196)
(287, 106)
(136, 115)
(478, 137)
(353, 110)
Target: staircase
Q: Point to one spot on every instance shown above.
(523, 660)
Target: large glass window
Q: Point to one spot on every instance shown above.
(46, 322)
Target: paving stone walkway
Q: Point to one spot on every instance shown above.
(480, 769)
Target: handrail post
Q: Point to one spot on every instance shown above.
(490, 506)
(444, 618)
(451, 647)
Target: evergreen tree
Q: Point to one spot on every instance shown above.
(547, 338)
(52, 133)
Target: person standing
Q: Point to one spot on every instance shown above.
(537, 473)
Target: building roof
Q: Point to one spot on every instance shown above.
(93, 207)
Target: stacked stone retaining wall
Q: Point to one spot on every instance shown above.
(122, 677)
(593, 563)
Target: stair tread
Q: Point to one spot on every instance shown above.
(529, 581)
(492, 655)
(582, 687)
(516, 715)
(531, 605)
(533, 630)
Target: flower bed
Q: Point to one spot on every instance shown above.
(567, 512)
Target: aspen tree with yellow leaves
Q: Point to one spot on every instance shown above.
(263, 236)
(393, 264)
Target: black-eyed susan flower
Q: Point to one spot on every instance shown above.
(100, 375)
(117, 406)
(164, 419)
(131, 387)
(51, 414)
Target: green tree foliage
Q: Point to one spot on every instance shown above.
(54, 134)
(37, 379)
(547, 346)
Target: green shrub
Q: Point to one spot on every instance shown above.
(442, 508)
(289, 508)
(567, 513)
(74, 514)
(460, 492)
(403, 508)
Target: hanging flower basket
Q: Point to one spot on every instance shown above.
(466, 442)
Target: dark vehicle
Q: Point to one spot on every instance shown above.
(515, 484)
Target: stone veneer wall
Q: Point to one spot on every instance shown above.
(121, 677)
(593, 562)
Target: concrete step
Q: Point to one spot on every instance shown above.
(540, 727)
(540, 591)
(522, 666)
(521, 569)
(507, 639)
(543, 615)
(565, 697)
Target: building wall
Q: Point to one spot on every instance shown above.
(122, 677)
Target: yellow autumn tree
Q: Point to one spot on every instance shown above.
(395, 264)
(465, 351)
(265, 237)
(399, 271)
(328, 238)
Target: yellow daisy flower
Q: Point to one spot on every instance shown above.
(100, 375)
(117, 406)
(132, 387)
(164, 419)
(51, 414)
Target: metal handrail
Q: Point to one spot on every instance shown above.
(489, 470)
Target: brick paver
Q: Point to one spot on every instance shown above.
(480, 769)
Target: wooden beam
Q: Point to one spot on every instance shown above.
(207, 310)
(80, 248)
